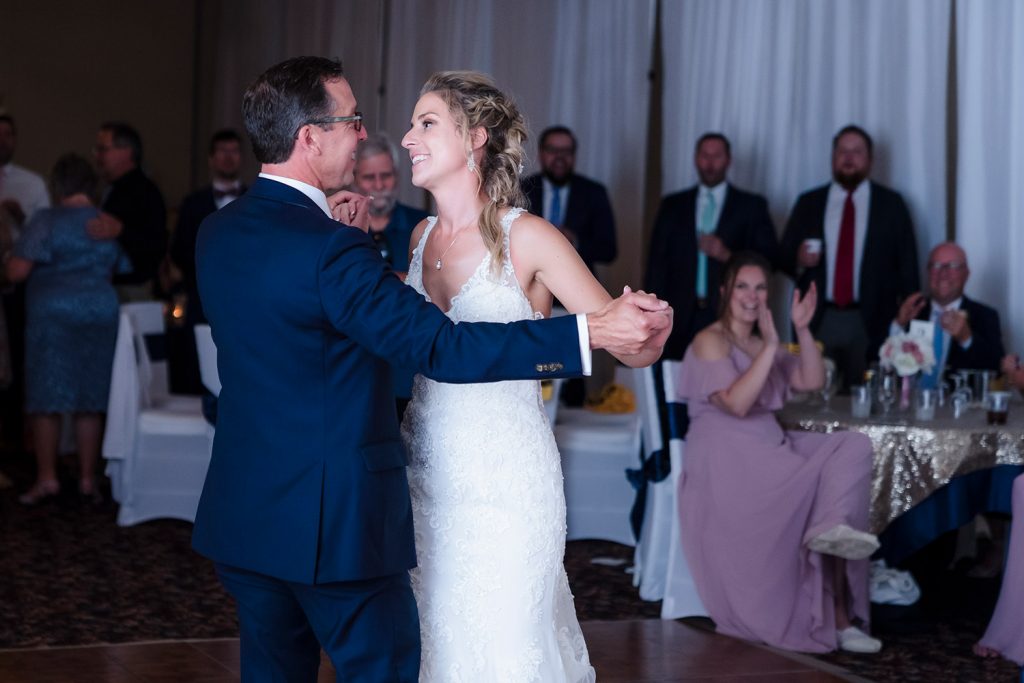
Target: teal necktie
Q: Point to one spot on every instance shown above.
(706, 226)
(556, 207)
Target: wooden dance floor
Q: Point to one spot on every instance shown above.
(622, 652)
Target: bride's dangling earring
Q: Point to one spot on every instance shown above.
(470, 163)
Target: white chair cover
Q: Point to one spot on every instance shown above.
(596, 450)
(157, 445)
(661, 570)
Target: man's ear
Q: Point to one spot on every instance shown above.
(308, 139)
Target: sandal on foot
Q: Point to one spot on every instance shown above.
(90, 494)
(40, 492)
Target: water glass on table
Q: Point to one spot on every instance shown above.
(860, 400)
(924, 404)
(828, 389)
(888, 391)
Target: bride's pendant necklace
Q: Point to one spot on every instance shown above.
(437, 264)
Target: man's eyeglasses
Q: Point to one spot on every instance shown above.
(356, 120)
(947, 267)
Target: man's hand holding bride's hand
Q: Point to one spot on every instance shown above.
(631, 324)
(351, 208)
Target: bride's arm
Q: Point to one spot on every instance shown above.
(542, 255)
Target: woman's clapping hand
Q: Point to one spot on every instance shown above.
(802, 309)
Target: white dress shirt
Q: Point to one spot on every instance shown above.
(320, 199)
(833, 221)
(234, 186)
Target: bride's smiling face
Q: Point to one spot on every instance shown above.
(436, 146)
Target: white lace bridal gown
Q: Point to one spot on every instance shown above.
(489, 512)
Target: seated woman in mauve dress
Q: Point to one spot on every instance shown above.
(773, 522)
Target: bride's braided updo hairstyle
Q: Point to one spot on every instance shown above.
(474, 101)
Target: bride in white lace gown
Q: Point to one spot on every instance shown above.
(485, 473)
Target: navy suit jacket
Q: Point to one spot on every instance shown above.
(986, 350)
(307, 481)
(743, 225)
(888, 265)
(589, 215)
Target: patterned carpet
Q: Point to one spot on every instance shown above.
(69, 576)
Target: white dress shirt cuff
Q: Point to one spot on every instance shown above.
(894, 329)
(967, 344)
(585, 354)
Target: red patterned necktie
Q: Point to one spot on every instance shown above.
(842, 285)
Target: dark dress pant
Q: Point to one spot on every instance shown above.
(369, 629)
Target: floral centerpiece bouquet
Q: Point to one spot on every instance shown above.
(907, 355)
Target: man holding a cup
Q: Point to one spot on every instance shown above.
(854, 238)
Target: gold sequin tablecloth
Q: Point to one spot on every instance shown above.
(913, 459)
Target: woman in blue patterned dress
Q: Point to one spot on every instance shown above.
(71, 325)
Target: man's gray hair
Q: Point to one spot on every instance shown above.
(375, 144)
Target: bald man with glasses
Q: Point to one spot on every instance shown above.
(969, 336)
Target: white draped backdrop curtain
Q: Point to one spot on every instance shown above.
(990, 155)
(779, 78)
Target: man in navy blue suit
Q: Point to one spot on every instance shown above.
(306, 509)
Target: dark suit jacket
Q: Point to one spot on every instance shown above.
(744, 224)
(137, 201)
(194, 208)
(888, 268)
(986, 350)
(589, 215)
(307, 481)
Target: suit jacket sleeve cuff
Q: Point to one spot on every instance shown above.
(585, 355)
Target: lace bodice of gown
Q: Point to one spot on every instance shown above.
(489, 512)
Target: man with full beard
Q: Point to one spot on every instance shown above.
(854, 238)
(391, 223)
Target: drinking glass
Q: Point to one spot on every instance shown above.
(860, 400)
(828, 389)
(888, 391)
(924, 404)
(997, 405)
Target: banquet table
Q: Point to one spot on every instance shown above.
(929, 476)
